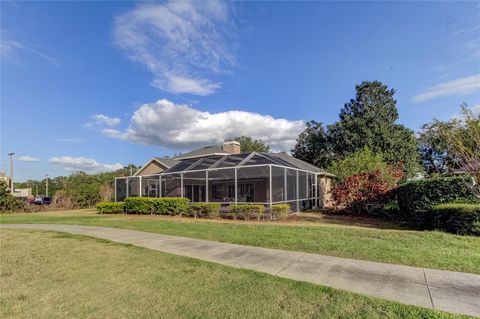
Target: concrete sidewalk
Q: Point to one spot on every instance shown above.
(439, 289)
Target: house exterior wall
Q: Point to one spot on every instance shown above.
(325, 192)
(152, 168)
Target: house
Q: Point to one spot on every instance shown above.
(225, 175)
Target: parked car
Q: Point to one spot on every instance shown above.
(42, 200)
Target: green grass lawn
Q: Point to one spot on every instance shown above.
(416, 248)
(56, 275)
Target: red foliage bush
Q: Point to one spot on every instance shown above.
(366, 191)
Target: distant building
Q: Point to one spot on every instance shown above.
(19, 192)
(22, 193)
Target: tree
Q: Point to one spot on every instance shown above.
(433, 147)
(361, 162)
(463, 142)
(368, 120)
(248, 145)
(80, 189)
(313, 145)
(8, 203)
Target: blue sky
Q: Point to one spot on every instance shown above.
(95, 85)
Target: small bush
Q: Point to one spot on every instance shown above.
(458, 218)
(139, 205)
(110, 207)
(366, 192)
(417, 198)
(8, 203)
(161, 206)
(247, 211)
(280, 211)
(211, 210)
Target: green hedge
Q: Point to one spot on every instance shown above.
(211, 210)
(110, 208)
(417, 198)
(247, 211)
(458, 218)
(280, 211)
(161, 206)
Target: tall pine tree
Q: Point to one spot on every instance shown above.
(368, 120)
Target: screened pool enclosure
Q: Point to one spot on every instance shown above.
(258, 178)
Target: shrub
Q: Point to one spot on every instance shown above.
(280, 211)
(211, 210)
(247, 211)
(361, 162)
(110, 207)
(416, 198)
(8, 203)
(458, 218)
(162, 206)
(366, 192)
(171, 205)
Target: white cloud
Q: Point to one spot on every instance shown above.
(105, 120)
(10, 49)
(460, 86)
(83, 164)
(177, 126)
(475, 110)
(180, 42)
(26, 158)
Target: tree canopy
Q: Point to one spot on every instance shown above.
(360, 162)
(313, 145)
(79, 189)
(248, 145)
(367, 120)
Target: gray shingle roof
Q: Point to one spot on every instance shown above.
(168, 162)
(298, 163)
(204, 151)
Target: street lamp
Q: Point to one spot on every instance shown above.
(46, 186)
(12, 186)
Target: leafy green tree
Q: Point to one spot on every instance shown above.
(368, 120)
(79, 189)
(8, 203)
(248, 145)
(463, 142)
(433, 147)
(313, 145)
(363, 161)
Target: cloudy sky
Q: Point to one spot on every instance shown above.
(96, 85)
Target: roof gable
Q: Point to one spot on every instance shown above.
(163, 163)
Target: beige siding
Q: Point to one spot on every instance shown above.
(152, 168)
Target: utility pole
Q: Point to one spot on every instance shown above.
(46, 186)
(36, 190)
(12, 186)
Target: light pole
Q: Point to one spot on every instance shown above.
(12, 186)
(46, 186)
